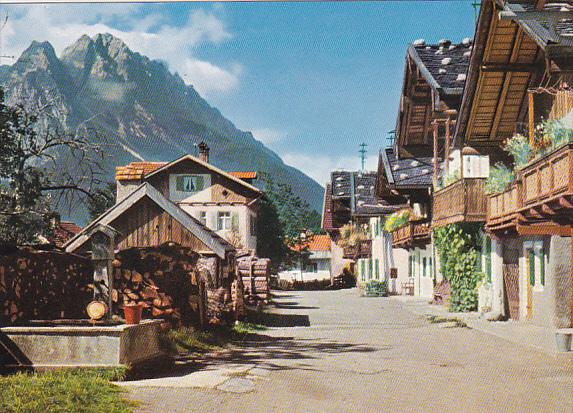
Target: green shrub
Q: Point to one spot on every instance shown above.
(500, 177)
(396, 220)
(458, 246)
(552, 134)
(375, 288)
(519, 148)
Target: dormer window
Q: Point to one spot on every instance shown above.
(189, 183)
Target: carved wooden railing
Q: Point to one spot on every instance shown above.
(462, 201)
(361, 250)
(502, 208)
(411, 234)
(549, 177)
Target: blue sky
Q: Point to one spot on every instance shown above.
(310, 80)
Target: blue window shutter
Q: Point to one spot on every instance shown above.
(199, 183)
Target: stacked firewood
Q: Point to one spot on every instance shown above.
(164, 279)
(46, 285)
(255, 274)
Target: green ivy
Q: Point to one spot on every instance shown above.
(458, 248)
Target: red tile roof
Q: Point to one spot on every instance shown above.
(136, 170)
(244, 175)
(316, 243)
(327, 209)
(65, 231)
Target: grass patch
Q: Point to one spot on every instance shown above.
(64, 391)
(188, 340)
(437, 319)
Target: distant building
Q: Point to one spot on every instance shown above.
(316, 264)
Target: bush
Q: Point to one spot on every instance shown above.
(500, 177)
(376, 288)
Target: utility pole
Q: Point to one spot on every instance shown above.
(476, 4)
(362, 153)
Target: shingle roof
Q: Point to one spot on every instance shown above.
(443, 65)
(341, 184)
(545, 28)
(64, 231)
(407, 172)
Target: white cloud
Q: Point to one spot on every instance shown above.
(149, 34)
(269, 136)
(318, 167)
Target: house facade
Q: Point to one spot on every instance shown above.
(524, 56)
(226, 203)
(408, 171)
(315, 265)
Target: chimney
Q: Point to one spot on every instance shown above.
(203, 151)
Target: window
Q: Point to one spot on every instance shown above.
(424, 263)
(311, 267)
(203, 217)
(189, 183)
(362, 270)
(410, 266)
(377, 269)
(223, 221)
(253, 225)
(535, 264)
(370, 268)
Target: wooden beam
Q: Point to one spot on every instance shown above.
(447, 148)
(435, 177)
(544, 229)
(427, 123)
(531, 117)
(509, 67)
(565, 203)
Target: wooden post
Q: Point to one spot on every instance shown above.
(447, 149)
(531, 118)
(435, 125)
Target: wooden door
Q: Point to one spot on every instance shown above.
(511, 283)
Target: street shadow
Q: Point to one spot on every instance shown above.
(269, 353)
(279, 320)
(293, 305)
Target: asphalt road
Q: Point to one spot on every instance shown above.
(333, 351)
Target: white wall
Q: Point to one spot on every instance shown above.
(323, 272)
(245, 214)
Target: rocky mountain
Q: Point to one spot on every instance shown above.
(138, 107)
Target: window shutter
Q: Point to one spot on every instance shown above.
(179, 183)
(542, 265)
(531, 255)
(199, 183)
(235, 221)
(215, 222)
(369, 268)
(410, 266)
(488, 259)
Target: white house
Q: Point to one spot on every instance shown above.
(316, 266)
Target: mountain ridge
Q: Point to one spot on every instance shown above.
(147, 112)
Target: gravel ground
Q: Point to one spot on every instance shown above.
(333, 351)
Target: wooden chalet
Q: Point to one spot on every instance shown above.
(520, 67)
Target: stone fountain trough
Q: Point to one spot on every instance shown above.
(57, 346)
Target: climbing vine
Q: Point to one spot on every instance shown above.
(458, 247)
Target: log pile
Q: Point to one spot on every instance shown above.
(255, 273)
(45, 285)
(164, 279)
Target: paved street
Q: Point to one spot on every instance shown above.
(333, 351)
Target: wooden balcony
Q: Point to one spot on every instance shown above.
(362, 250)
(502, 210)
(540, 202)
(415, 233)
(547, 193)
(462, 201)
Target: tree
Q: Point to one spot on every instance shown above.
(283, 215)
(33, 177)
(102, 199)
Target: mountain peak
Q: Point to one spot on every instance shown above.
(113, 46)
(39, 55)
